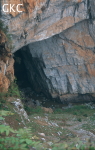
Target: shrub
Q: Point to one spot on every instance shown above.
(13, 89)
(36, 110)
(58, 110)
(11, 139)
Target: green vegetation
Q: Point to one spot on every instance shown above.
(36, 110)
(14, 90)
(58, 111)
(11, 139)
(78, 109)
(57, 128)
(2, 100)
(60, 127)
(27, 137)
(79, 119)
(79, 146)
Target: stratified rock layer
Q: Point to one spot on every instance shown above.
(41, 19)
(60, 57)
(6, 64)
(63, 65)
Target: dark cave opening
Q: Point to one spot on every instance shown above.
(22, 80)
(20, 70)
(30, 91)
(29, 73)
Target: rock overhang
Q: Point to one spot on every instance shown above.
(42, 19)
(68, 70)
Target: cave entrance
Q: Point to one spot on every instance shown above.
(27, 88)
(36, 81)
(20, 71)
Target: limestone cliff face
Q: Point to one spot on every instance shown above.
(60, 57)
(6, 64)
(41, 19)
(64, 65)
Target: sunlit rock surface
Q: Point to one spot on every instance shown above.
(6, 64)
(60, 57)
(63, 65)
(41, 19)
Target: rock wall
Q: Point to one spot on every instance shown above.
(41, 19)
(61, 51)
(6, 64)
(63, 66)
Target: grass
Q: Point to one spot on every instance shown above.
(36, 110)
(59, 136)
(2, 100)
(14, 90)
(75, 110)
(60, 127)
(65, 119)
(88, 127)
(58, 111)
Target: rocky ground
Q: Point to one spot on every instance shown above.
(73, 125)
(70, 124)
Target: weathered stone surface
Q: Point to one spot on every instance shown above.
(42, 19)
(63, 65)
(6, 64)
(61, 57)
